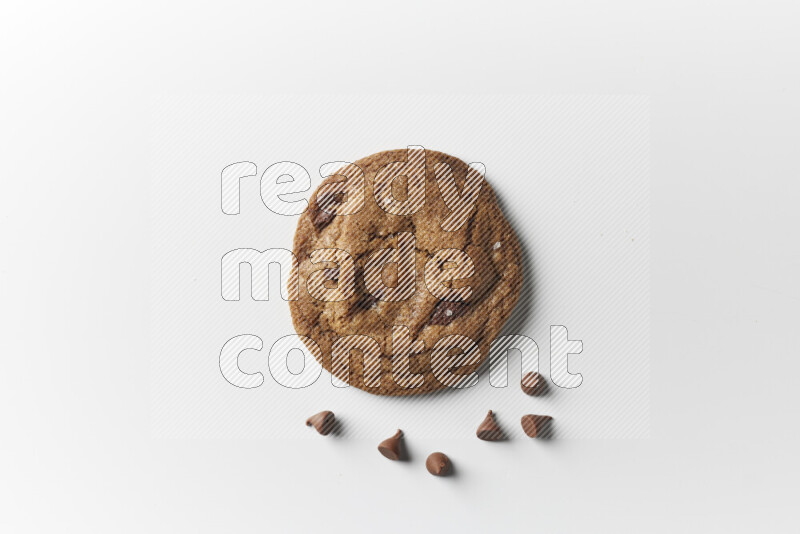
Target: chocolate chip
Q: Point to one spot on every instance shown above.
(323, 422)
(322, 219)
(392, 447)
(326, 202)
(536, 426)
(438, 464)
(446, 312)
(533, 384)
(329, 200)
(364, 302)
(489, 430)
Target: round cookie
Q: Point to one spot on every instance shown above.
(374, 364)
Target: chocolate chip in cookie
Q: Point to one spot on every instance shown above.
(325, 205)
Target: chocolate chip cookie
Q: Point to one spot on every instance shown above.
(407, 272)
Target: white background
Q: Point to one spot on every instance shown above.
(78, 453)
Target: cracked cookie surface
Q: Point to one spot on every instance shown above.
(485, 236)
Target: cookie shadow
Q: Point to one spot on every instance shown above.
(527, 302)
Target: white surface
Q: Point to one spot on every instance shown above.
(78, 454)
